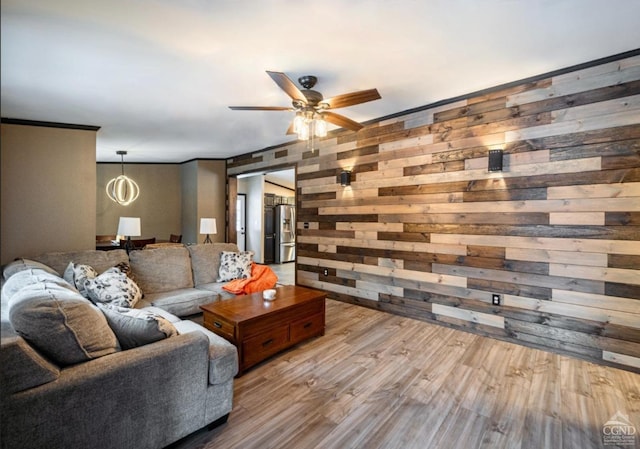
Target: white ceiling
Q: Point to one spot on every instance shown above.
(157, 75)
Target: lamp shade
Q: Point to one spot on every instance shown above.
(129, 226)
(208, 226)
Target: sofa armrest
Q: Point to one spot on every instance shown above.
(223, 356)
(21, 366)
(142, 397)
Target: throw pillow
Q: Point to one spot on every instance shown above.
(137, 327)
(24, 264)
(234, 265)
(114, 287)
(125, 268)
(29, 277)
(77, 274)
(62, 324)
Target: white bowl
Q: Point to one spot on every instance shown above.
(269, 294)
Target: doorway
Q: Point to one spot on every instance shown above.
(252, 196)
(241, 221)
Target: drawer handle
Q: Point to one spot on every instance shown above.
(216, 324)
(308, 325)
(268, 342)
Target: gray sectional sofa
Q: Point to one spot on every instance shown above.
(68, 377)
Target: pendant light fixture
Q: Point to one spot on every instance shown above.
(122, 190)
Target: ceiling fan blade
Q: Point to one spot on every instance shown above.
(261, 108)
(341, 121)
(285, 83)
(361, 96)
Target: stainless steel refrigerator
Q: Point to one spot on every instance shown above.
(285, 233)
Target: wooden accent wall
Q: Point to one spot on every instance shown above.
(426, 231)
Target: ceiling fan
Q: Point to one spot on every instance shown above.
(311, 108)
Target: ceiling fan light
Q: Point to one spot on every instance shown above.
(303, 134)
(321, 127)
(298, 123)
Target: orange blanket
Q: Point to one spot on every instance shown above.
(262, 278)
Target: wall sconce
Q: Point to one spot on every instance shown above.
(495, 160)
(345, 178)
(208, 226)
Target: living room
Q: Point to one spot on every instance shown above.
(451, 287)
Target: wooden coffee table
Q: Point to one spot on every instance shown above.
(259, 328)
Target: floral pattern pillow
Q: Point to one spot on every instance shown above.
(76, 274)
(234, 265)
(113, 287)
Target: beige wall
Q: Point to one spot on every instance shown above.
(189, 173)
(212, 195)
(48, 190)
(54, 199)
(159, 205)
(204, 193)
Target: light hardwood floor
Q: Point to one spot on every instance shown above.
(377, 380)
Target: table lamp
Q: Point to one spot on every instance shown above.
(208, 226)
(129, 226)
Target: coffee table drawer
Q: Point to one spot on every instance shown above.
(261, 346)
(219, 326)
(307, 327)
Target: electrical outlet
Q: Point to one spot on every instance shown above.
(325, 272)
(495, 299)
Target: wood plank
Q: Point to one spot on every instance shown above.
(620, 261)
(562, 86)
(550, 231)
(567, 127)
(381, 244)
(479, 218)
(621, 358)
(558, 244)
(599, 301)
(575, 311)
(619, 275)
(468, 315)
(533, 206)
(544, 255)
(628, 189)
(577, 218)
(571, 336)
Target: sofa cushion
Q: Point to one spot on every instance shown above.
(217, 288)
(77, 274)
(99, 260)
(181, 302)
(24, 264)
(137, 327)
(161, 269)
(223, 356)
(113, 287)
(205, 260)
(61, 323)
(234, 265)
